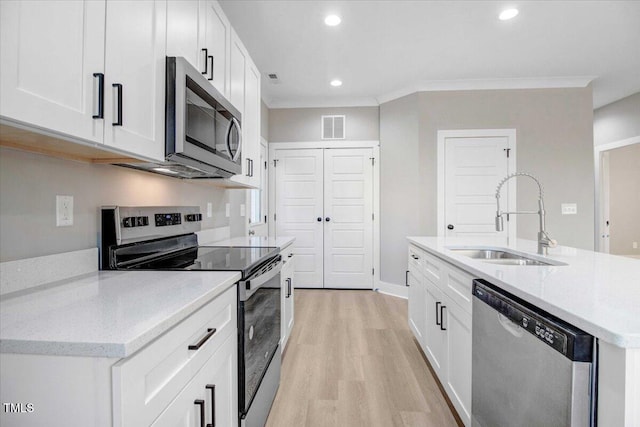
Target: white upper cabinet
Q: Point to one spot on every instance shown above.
(135, 77)
(49, 53)
(183, 31)
(215, 36)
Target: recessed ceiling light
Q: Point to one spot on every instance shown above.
(508, 14)
(165, 170)
(332, 20)
(336, 83)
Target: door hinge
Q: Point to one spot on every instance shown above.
(507, 150)
(373, 161)
(275, 162)
(373, 271)
(274, 217)
(265, 165)
(373, 218)
(265, 219)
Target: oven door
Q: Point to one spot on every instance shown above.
(259, 334)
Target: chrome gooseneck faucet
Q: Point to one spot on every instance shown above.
(544, 241)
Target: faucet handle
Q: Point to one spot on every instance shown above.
(552, 243)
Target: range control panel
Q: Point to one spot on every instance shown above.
(134, 224)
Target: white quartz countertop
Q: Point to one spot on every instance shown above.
(261, 241)
(599, 293)
(107, 313)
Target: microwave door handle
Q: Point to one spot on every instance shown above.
(234, 122)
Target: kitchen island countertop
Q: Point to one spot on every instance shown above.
(597, 292)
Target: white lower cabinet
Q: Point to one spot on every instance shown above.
(417, 303)
(287, 306)
(447, 316)
(210, 398)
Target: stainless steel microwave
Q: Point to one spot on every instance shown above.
(203, 134)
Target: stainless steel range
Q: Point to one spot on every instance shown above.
(163, 238)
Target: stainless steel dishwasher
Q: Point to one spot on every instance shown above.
(529, 368)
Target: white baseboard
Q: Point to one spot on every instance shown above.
(391, 289)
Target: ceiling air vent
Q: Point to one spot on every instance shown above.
(333, 127)
(273, 78)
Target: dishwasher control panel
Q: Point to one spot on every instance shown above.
(562, 337)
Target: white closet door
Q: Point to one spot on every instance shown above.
(474, 166)
(299, 200)
(348, 215)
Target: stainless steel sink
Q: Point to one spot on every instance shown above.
(500, 256)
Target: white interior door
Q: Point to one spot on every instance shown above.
(348, 218)
(299, 210)
(473, 167)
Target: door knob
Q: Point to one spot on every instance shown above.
(450, 227)
(327, 219)
(319, 219)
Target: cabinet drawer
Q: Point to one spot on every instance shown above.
(458, 286)
(145, 383)
(416, 257)
(432, 268)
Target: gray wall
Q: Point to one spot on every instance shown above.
(264, 120)
(624, 200)
(617, 121)
(30, 182)
(554, 142)
(400, 188)
(304, 124)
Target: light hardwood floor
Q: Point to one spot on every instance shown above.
(352, 361)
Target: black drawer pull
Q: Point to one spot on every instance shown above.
(100, 114)
(288, 288)
(200, 403)
(118, 121)
(210, 332)
(212, 387)
(438, 321)
(415, 256)
(442, 328)
(206, 62)
(211, 62)
(406, 278)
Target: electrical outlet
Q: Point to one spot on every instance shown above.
(635, 245)
(209, 210)
(569, 208)
(242, 209)
(64, 211)
(227, 210)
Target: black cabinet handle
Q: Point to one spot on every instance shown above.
(248, 167)
(442, 328)
(437, 321)
(290, 255)
(212, 387)
(319, 219)
(406, 278)
(118, 121)
(200, 403)
(210, 332)
(100, 114)
(251, 167)
(288, 287)
(327, 219)
(450, 227)
(210, 57)
(206, 62)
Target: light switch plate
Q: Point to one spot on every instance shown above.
(209, 210)
(227, 210)
(64, 211)
(569, 208)
(242, 210)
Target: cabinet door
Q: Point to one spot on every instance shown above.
(287, 299)
(135, 59)
(221, 372)
(458, 368)
(183, 31)
(417, 304)
(48, 54)
(216, 33)
(435, 341)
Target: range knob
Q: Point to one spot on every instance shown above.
(193, 217)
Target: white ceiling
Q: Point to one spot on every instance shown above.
(386, 49)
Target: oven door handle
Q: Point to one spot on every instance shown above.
(255, 282)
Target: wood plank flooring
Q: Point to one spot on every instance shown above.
(352, 361)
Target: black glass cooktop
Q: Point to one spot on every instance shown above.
(212, 258)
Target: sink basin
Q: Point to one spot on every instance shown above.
(501, 256)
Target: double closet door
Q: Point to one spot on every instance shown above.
(324, 198)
